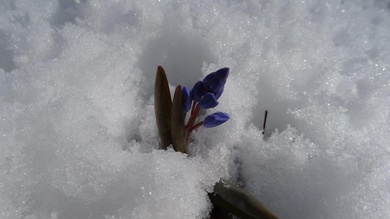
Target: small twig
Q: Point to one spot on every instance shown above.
(265, 121)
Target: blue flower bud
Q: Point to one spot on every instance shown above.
(197, 91)
(208, 79)
(186, 99)
(215, 82)
(215, 119)
(208, 101)
(219, 92)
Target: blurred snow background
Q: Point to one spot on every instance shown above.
(77, 132)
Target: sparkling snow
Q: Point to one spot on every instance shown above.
(78, 137)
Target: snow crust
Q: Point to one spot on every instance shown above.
(77, 130)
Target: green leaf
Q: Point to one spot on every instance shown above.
(178, 127)
(238, 202)
(163, 107)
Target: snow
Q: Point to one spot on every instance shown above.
(78, 137)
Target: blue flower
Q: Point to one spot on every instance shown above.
(215, 119)
(208, 101)
(215, 82)
(187, 100)
(198, 91)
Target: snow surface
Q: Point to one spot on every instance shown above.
(78, 137)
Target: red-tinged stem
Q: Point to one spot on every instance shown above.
(195, 127)
(190, 124)
(189, 131)
(193, 107)
(193, 116)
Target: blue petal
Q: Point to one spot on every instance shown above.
(215, 119)
(219, 92)
(186, 99)
(197, 91)
(208, 101)
(222, 73)
(215, 82)
(208, 79)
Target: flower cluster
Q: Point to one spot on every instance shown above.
(205, 95)
(170, 119)
(171, 114)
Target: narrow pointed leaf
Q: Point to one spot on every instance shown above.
(238, 202)
(178, 128)
(163, 107)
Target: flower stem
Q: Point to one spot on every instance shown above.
(193, 107)
(194, 115)
(195, 126)
(190, 124)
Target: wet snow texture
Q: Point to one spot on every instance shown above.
(77, 132)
